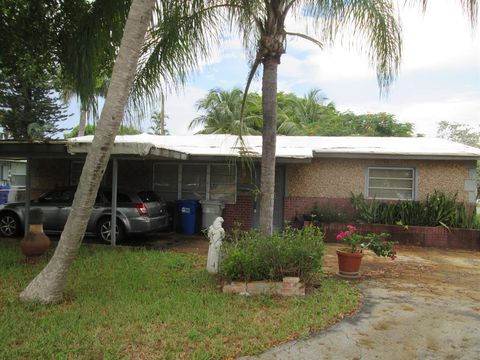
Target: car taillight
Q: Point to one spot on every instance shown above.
(142, 209)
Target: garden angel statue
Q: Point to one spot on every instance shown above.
(215, 234)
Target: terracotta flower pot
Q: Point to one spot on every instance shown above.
(349, 264)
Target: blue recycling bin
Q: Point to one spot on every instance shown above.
(4, 190)
(188, 215)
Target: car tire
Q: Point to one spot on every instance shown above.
(103, 230)
(9, 225)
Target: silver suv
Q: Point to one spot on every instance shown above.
(137, 213)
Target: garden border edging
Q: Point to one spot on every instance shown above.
(290, 286)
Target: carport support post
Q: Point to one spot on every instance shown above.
(113, 227)
(28, 194)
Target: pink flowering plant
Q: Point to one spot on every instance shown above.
(374, 242)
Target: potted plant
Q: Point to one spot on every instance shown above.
(350, 258)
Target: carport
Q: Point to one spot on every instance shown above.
(59, 150)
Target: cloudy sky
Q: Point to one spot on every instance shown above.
(439, 77)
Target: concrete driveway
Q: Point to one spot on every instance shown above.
(424, 305)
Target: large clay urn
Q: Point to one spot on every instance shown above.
(35, 242)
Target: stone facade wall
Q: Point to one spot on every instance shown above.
(337, 178)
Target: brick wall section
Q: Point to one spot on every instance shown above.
(297, 206)
(439, 236)
(240, 212)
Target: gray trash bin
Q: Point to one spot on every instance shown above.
(211, 209)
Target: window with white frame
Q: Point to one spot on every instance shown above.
(196, 181)
(391, 183)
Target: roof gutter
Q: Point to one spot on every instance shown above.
(395, 156)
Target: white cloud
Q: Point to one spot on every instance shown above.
(461, 108)
(439, 39)
(439, 43)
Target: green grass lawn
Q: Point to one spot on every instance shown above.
(126, 303)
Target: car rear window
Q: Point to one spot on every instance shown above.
(148, 196)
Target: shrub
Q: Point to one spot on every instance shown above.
(437, 209)
(375, 242)
(254, 256)
(327, 215)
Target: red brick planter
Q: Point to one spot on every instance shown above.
(439, 236)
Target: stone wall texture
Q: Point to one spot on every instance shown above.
(337, 178)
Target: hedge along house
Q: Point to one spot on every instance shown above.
(311, 171)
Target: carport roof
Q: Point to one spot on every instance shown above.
(288, 147)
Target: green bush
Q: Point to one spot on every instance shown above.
(254, 256)
(437, 209)
(327, 215)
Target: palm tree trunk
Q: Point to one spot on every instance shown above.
(269, 108)
(162, 117)
(83, 121)
(48, 286)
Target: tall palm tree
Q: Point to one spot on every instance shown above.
(372, 23)
(47, 287)
(222, 114)
(158, 119)
(295, 114)
(263, 25)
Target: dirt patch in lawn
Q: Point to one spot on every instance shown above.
(424, 305)
(430, 271)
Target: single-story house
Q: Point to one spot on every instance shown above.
(310, 169)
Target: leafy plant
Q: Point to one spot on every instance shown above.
(327, 215)
(377, 243)
(254, 256)
(438, 209)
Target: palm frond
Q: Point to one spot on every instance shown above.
(373, 25)
(180, 38)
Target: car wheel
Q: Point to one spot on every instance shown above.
(9, 225)
(103, 230)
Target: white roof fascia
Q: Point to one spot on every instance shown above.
(288, 147)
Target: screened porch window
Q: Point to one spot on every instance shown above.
(166, 181)
(391, 183)
(196, 181)
(222, 183)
